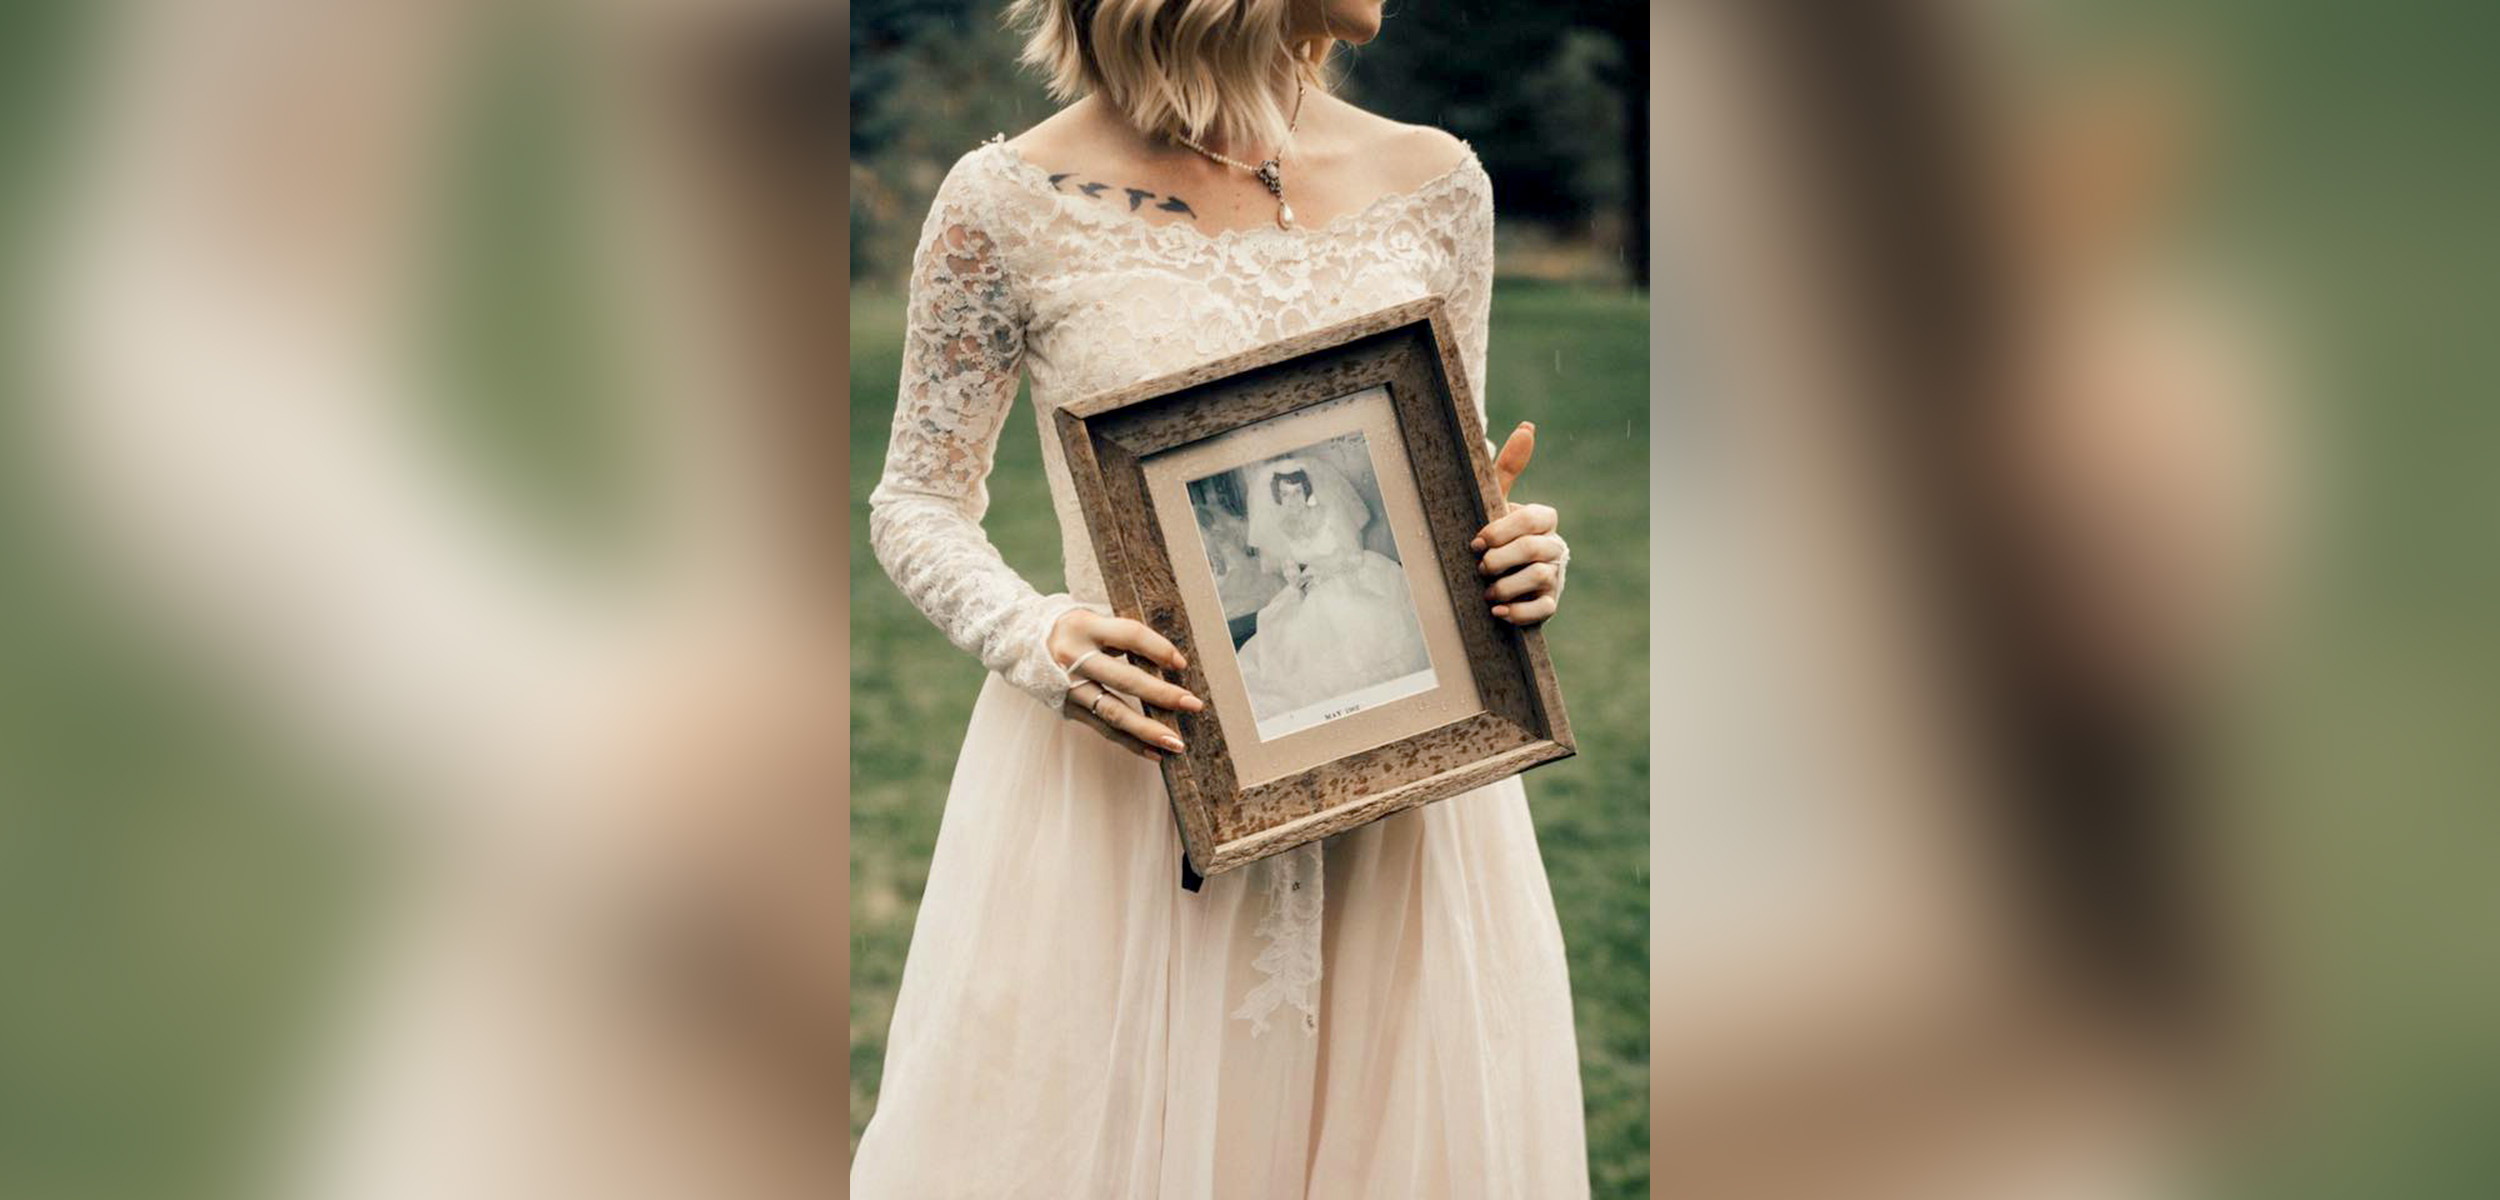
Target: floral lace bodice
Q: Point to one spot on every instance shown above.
(1014, 275)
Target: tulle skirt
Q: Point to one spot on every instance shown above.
(1073, 1023)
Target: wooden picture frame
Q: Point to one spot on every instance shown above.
(1383, 396)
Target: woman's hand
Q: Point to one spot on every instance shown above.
(1092, 649)
(1521, 546)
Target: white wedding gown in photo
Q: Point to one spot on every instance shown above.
(1348, 626)
(1385, 1016)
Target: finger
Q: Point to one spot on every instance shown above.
(1514, 457)
(1534, 548)
(1535, 579)
(1145, 685)
(1140, 726)
(1527, 612)
(1079, 713)
(1520, 521)
(1124, 634)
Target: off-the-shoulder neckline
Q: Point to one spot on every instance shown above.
(1039, 176)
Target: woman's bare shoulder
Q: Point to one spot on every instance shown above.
(1403, 155)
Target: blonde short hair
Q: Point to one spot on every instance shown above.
(1206, 68)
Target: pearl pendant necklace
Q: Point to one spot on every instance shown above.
(1270, 173)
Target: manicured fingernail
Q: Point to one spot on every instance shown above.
(1195, 704)
(1477, 544)
(1180, 662)
(1171, 743)
(1501, 610)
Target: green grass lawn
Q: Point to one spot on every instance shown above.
(1573, 360)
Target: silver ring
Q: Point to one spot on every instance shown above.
(1070, 669)
(1094, 706)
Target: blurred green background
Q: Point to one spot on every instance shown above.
(169, 897)
(182, 892)
(171, 890)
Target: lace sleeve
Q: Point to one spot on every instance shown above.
(1467, 275)
(1467, 283)
(963, 350)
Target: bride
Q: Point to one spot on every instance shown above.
(1344, 620)
(1383, 1014)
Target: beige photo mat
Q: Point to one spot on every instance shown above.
(1452, 694)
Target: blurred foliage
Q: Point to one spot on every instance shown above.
(1575, 360)
(930, 79)
(1550, 95)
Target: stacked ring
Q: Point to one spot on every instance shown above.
(1070, 669)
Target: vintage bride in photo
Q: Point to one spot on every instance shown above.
(1342, 621)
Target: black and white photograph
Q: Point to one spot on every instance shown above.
(1314, 589)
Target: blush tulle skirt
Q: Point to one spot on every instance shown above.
(1386, 1015)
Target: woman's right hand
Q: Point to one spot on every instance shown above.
(1096, 646)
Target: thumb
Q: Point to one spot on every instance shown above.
(1514, 457)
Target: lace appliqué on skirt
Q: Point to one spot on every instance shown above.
(1291, 928)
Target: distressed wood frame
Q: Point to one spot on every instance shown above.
(1411, 350)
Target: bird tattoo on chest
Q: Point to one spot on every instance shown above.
(1137, 196)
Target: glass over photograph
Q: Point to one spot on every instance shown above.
(1314, 590)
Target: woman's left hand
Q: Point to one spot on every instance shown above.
(1521, 546)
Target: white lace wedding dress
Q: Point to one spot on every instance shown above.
(1387, 1015)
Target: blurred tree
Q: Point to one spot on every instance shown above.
(930, 79)
(1554, 97)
